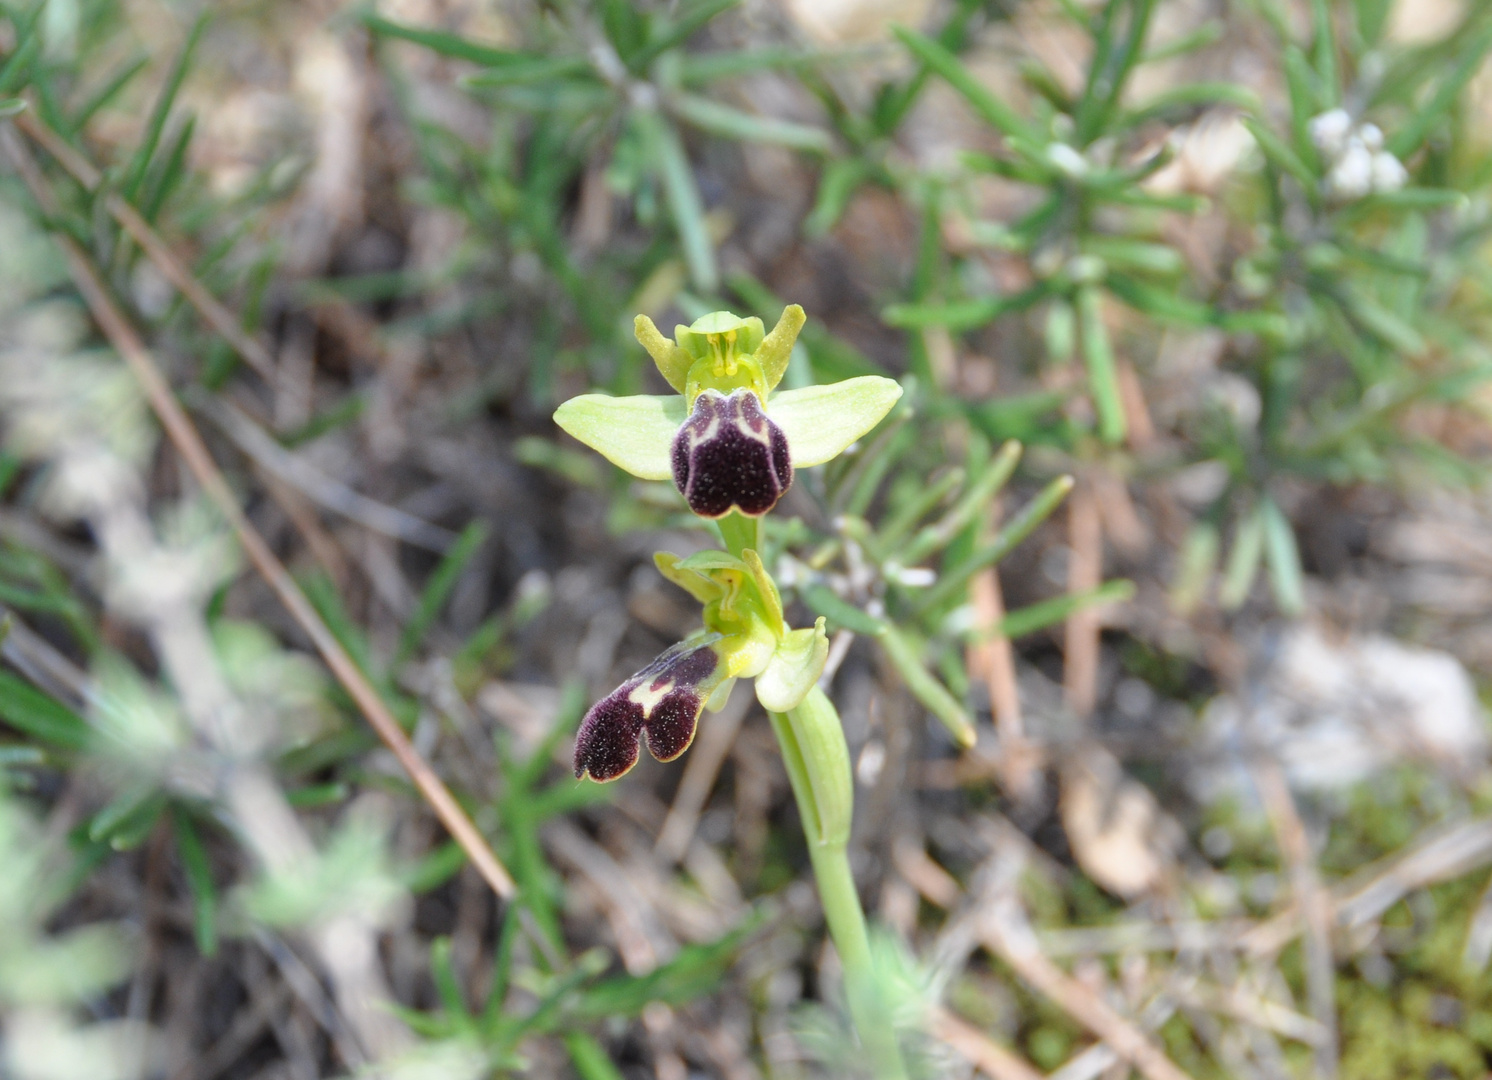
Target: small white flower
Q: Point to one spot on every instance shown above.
(1389, 173)
(1330, 130)
(1352, 175)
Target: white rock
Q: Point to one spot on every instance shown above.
(1337, 711)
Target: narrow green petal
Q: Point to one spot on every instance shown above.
(634, 433)
(820, 421)
(793, 669)
(777, 347)
(672, 361)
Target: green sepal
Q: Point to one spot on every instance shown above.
(702, 587)
(820, 421)
(794, 668)
(634, 433)
(777, 348)
(673, 362)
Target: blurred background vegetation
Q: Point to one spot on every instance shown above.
(1182, 523)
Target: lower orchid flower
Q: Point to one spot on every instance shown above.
(745, 636)
(728, 442)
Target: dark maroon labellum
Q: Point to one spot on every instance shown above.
(728, 455)
(664, 700)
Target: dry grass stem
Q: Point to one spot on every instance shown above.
(1084, 572)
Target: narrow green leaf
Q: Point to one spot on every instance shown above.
(1285, 575)
(126, 817)
(526, 71)
(962, 315)
(903, 519)
(105, 94)
(30, 711)
(438, 590)
(693, 19)
(447, 985)
(926, 687)
(973, 505)
(1280, 154)
(589, 1059)
(1123, 253)
(839, 181)
(822, 600)
(11, 107)
(684, 203)
(444, 43)
(1243, 561)
(173, 170)
(1110, 70)
(1058, 609)
(134, 172)
(1098, 358)
(955, 579)
(705, 68)
(436, 868)
(198, 871)
(1190, 96)
(1195, 564)
(17, 68)
(984, 102)
(1305, 104)
(1324, 46)
(1404, 141)
(732, 123)
(1209, 33)
(1383, 324)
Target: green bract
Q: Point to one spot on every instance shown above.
(742, 606)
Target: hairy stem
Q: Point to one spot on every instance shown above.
(818, 766)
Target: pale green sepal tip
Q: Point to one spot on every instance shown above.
(777, 347)
(793, 669)
(672, 361)
(720, 696)
(634, 433)
(821, 421)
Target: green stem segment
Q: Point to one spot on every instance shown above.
(740, 532)
(818, 766)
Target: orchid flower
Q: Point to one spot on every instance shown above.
(725, 439)
(730, 445)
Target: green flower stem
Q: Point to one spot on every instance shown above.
(818, 766)
(740, 532)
